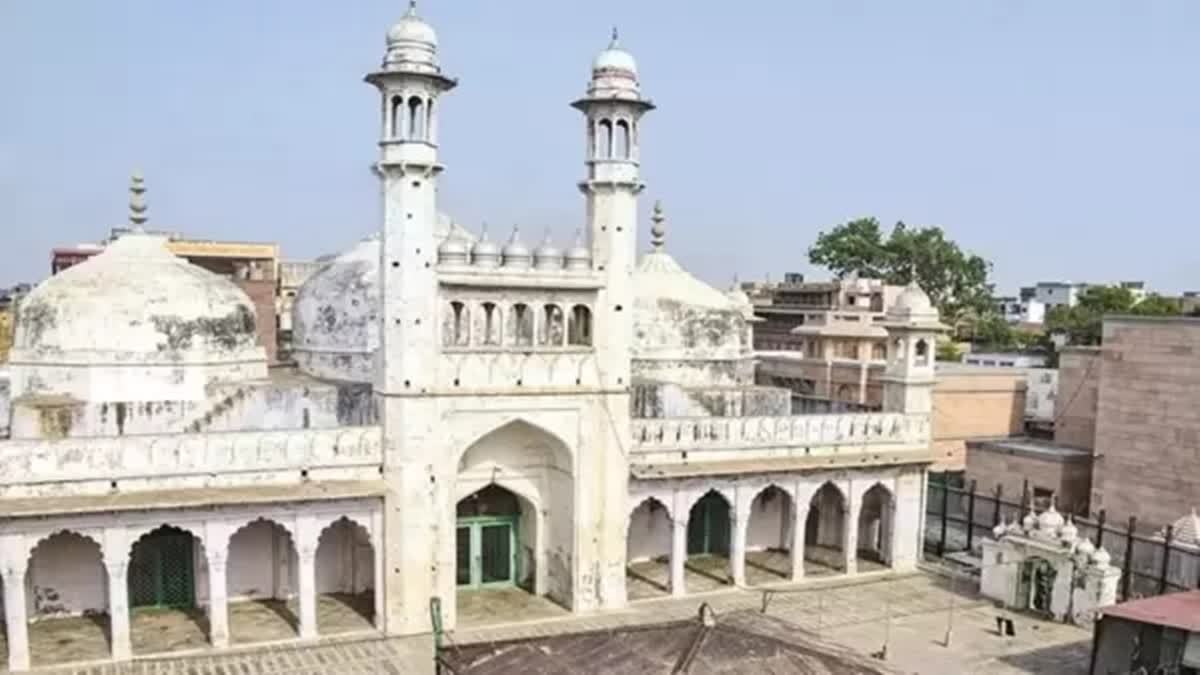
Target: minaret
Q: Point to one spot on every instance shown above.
(614, 107)
(912, 325)
(137, 202)
(410, 82)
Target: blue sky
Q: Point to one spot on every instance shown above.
(1061, 140)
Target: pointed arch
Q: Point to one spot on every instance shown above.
(622, 140)
(824, 528)
(345, 571)
(876, 524)
(520, 434)
(604, 139)
(768, 532)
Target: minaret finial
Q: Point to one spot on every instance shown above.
(615, 38)
(658, 233)
(137, 201)
(412, 7)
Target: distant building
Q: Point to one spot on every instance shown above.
(1041, 395)
(1004, 360)
(1051, 294)
(1015, 310)
(292, 275)
(829, 333)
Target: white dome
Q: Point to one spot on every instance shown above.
(335, 322)
(1068, 532)
(1101, 558)
(136, 302)
(615, 58)
(516, 254)
(913, 300)
(547, 256)
(1186, 530)
(1085, 549)
(1050, 520)
(411, 44)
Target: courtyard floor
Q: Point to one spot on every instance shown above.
(702, 573)
(164, 631)
(910, 613)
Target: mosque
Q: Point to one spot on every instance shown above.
(465, 416)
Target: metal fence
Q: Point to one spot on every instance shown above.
(959, 518)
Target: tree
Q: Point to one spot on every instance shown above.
(1082, 324)
(956, 281)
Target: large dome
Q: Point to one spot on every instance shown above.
(133, 303)
(686, 331)
(335, 323)
(335, 316)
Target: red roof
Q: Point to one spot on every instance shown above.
(1177, 610)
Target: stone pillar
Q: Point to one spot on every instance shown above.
(377, 553)
(116, 562)
(306, 552)
(218, 598)
(850, 537)
(14, 611)
(738, 524)
(799, 521)
(118, 608)
(678, 555)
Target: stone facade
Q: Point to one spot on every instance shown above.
(1147, 419)
(1044, 469)
(1079, 371)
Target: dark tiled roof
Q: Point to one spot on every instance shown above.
(741, 643)
(1177, 610)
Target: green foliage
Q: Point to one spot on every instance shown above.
(956, 281)
(948, 350)
(1083, 323)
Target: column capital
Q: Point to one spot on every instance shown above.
(216, 557)
(117, 567)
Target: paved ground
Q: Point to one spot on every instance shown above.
(910, 613)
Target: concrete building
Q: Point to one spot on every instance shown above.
(1004, 359)
(826, 338)
(469, 418)
(1016, 310)
(1130, 402)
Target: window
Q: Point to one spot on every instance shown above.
(604, 140)
(552, 326)
(621, 140)
(579, 329)
(396, 119)
(461, 325)
(922, 353)
(416, 119)
(879, 351)
(846, 349)
(491, 324)
(522, 325)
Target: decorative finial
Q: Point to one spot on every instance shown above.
(615, 38)
(516, 234)
(734, 287)
(483, 232)
(546, 240)
(412, 7)
(658, 233)
(137, 201)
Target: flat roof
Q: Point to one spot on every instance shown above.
(25, 507)
(1175, 610)
(1030, 448)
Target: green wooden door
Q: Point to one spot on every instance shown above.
(708, 526)
(486, 551)
(162, 570)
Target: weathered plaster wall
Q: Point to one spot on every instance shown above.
(5, 404)
(691, 345)
(665, 399)
(66, 577)
(335, 317)
(973, 403)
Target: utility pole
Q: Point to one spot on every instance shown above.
(950, 614)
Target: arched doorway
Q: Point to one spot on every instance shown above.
(345, 578)
(875, 529)
(515, 525)
(708, 535)
(1035, 586)
(769, 537)
(490, 547)
(164, 594)
(262, 583)
(648, 551)
(824, 532)
(66, 589)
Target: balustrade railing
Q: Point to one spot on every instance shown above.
(795, 430)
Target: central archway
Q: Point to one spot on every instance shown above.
(515, 522)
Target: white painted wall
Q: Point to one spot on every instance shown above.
(770, 522)
(262, 563)
(649, 532)
(66, 576)
(345, 562)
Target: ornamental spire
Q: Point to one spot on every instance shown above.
(412, 7)
(137, 201)
(615, 39)
(658, 233)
